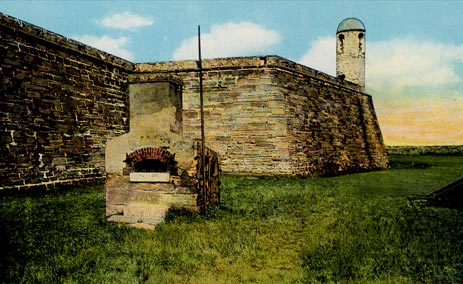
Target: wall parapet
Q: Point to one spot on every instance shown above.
(38, 33)
(249, 62)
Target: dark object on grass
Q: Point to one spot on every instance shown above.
(450, 195)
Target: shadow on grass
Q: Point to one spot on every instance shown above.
(400, 165)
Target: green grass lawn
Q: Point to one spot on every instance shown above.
(360, 228)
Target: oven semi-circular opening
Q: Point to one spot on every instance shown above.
(151, 164)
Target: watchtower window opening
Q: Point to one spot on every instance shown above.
(341, 43)
(361, 40)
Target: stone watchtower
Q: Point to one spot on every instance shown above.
(350, 51)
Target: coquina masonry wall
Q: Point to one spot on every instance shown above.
(244, 118)
(332, 126)
(268, 115)
(59, 102)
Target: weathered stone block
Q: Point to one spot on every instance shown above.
(149, 177)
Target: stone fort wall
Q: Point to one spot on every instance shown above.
(60, 101)
(269, 115)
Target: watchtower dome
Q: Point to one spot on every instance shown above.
(350, 51)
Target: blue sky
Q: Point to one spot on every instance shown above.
(414, 48)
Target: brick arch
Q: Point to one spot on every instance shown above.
(152, 153)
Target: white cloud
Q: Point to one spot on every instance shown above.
(108, 44)
(126, 21)
(229, 40)
(322, 55)
(400, 62)
(406, 62)
(416, 87)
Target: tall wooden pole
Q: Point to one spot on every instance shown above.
(201, 107)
